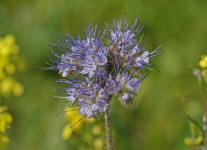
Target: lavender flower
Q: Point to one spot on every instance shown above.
(101, 65)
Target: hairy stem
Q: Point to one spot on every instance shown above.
(202, 94)
(108, 130)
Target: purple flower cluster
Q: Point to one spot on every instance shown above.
(102, 65)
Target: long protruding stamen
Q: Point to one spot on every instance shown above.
(77, 121)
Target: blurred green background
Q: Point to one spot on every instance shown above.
(156, 121)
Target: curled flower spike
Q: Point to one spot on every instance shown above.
(101, 65)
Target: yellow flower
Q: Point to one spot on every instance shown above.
(96, 130)
(190, 142)
(9, 86)
(72, 114)
(2, 75)
(3, 108)
(99, 144)
(6, 86)
(4, 62)
(5, 121)
(9, 39)
(8, 46)
(10, 62)
(17, 89)
(203, 62)
(73, 117)
(89, 120)
(3, 141)
(10, 69)
(67, 132)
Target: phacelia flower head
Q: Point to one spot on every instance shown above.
(102, 64)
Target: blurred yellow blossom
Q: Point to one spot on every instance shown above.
(190, 142)
(5, 119)
(17, 89)
(3, 141)
(96, 130)
(3, 108)
(10, 63)
(67, 132)
(73, 117)
(99, 144)
(203, 62)
(10, 69)
(5, 122)
(6, 86)
(8, 46)
(75, 124)
(9, 85)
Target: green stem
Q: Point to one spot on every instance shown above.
(108, 130)
(204, 105)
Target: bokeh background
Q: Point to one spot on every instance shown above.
(156, 121)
